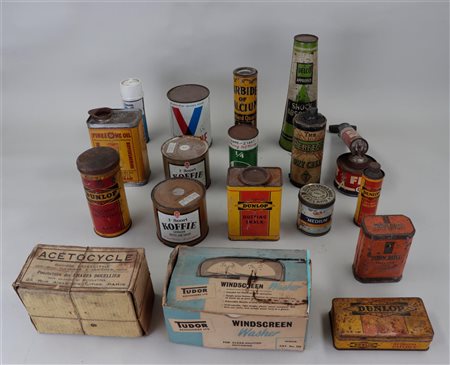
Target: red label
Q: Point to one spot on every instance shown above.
(347, 182)
(254, 212)
(369, 196)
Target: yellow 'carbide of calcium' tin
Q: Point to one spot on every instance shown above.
(123, 130)
(254, 203)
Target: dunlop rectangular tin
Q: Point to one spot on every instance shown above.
(123, 130)
(245, 89)
(254, 203)
(380, 324)
(383, 246)
(238, 298)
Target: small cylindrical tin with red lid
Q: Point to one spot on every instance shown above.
(103, 185)
(383, 246)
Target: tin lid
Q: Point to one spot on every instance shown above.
(184, 148)
(188, 93)
(234, 177)
(310, 120)
(306, 38)
(131, 89)
(113, 118)
(245, 71)
(316, 196)
(178, 193)
(243, 132)
(254, 176)
(387, 226)
(98, 160)
(373, 171)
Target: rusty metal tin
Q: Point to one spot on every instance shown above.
(186, 156)
(105, 194)
(383, 245)
(380, 324)
(179, 205)
(123, 130)
(243, 145)
(245, 89)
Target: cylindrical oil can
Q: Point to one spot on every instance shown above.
(369, 194)
(245, 88)
(243, 145)
(302, 91)
(186, 156)
(307, 148)
(189, 111)
(179, 205)
(383, 245)
(254, 203)
(105, 194)
(315, 208)
(122, 129)
(349, 172)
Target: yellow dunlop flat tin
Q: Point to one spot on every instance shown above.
(380, 324)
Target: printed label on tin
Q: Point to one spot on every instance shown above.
(171, 147)
(347, 182)
(243, 153)
(314, 221)
(244, 145)
(179, 228)
(254, 212)
(195, 171)
(190, 198)
(191, 325)
(304, 75)
(245, 100)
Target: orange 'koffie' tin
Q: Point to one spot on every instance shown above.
(382, 249)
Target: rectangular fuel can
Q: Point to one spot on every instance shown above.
(380, 324)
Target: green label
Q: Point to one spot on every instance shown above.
(304, 74)
(239, 158)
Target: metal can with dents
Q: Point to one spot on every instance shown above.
(243, 145)
(315, 209)
(179, 205)
(245, 90)
(122, 129)
(186, 156)
(105, 194)
(254, 203)
(370, 191)
(307, 148)
(383, 246)
(302, 91)
(189, 111)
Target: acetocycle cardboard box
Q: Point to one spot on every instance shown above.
(102, 291)
(239, 298)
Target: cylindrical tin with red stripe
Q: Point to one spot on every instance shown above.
(103, 186)
(369, 193)
(349, 172)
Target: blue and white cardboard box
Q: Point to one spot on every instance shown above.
(238, 298)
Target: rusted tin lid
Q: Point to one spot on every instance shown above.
(310, 120)
(254, 176)
(178, 194)
(234, 176)
(373, 171)
(243, 132)
(306, 38)
(98, 160)
(184, 148)
(317, 196)
(189, 93)
(387, 226)
(245, 71)
(113, 118)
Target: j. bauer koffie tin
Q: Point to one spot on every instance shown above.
(105, 194)
(383, 245)
(243, 145)
(380, 324)
(315, 208)
(123, 130)
(245, 80)
(254, 203)
(179, 205)
(186, 156)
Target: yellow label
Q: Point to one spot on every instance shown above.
(379, 345)
(245, 99)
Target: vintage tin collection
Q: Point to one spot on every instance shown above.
(99, 291)
(254, 203)
(133, 98)
(315, 209)
(307, 147)
(383, 245)
(238, 298)
(122, 129)
(180, 211)
(380, 324)
(186, 156)
(302, 91)
(189, 111)
(243, 145)
(369, 193)
(245, 92)
(105, 194)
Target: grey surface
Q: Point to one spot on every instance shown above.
(384, 67)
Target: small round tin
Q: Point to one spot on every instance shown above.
(349, 172)
(243, 145)
(179, 205)
(316, 202)
(186, 156)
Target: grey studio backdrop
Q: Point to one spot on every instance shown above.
(383, 66)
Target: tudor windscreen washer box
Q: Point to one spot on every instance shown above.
(238, 298)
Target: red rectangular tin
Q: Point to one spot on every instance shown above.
(382, 249)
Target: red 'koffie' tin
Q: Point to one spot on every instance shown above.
(383, 246)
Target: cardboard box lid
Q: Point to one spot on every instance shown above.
(239, 281)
